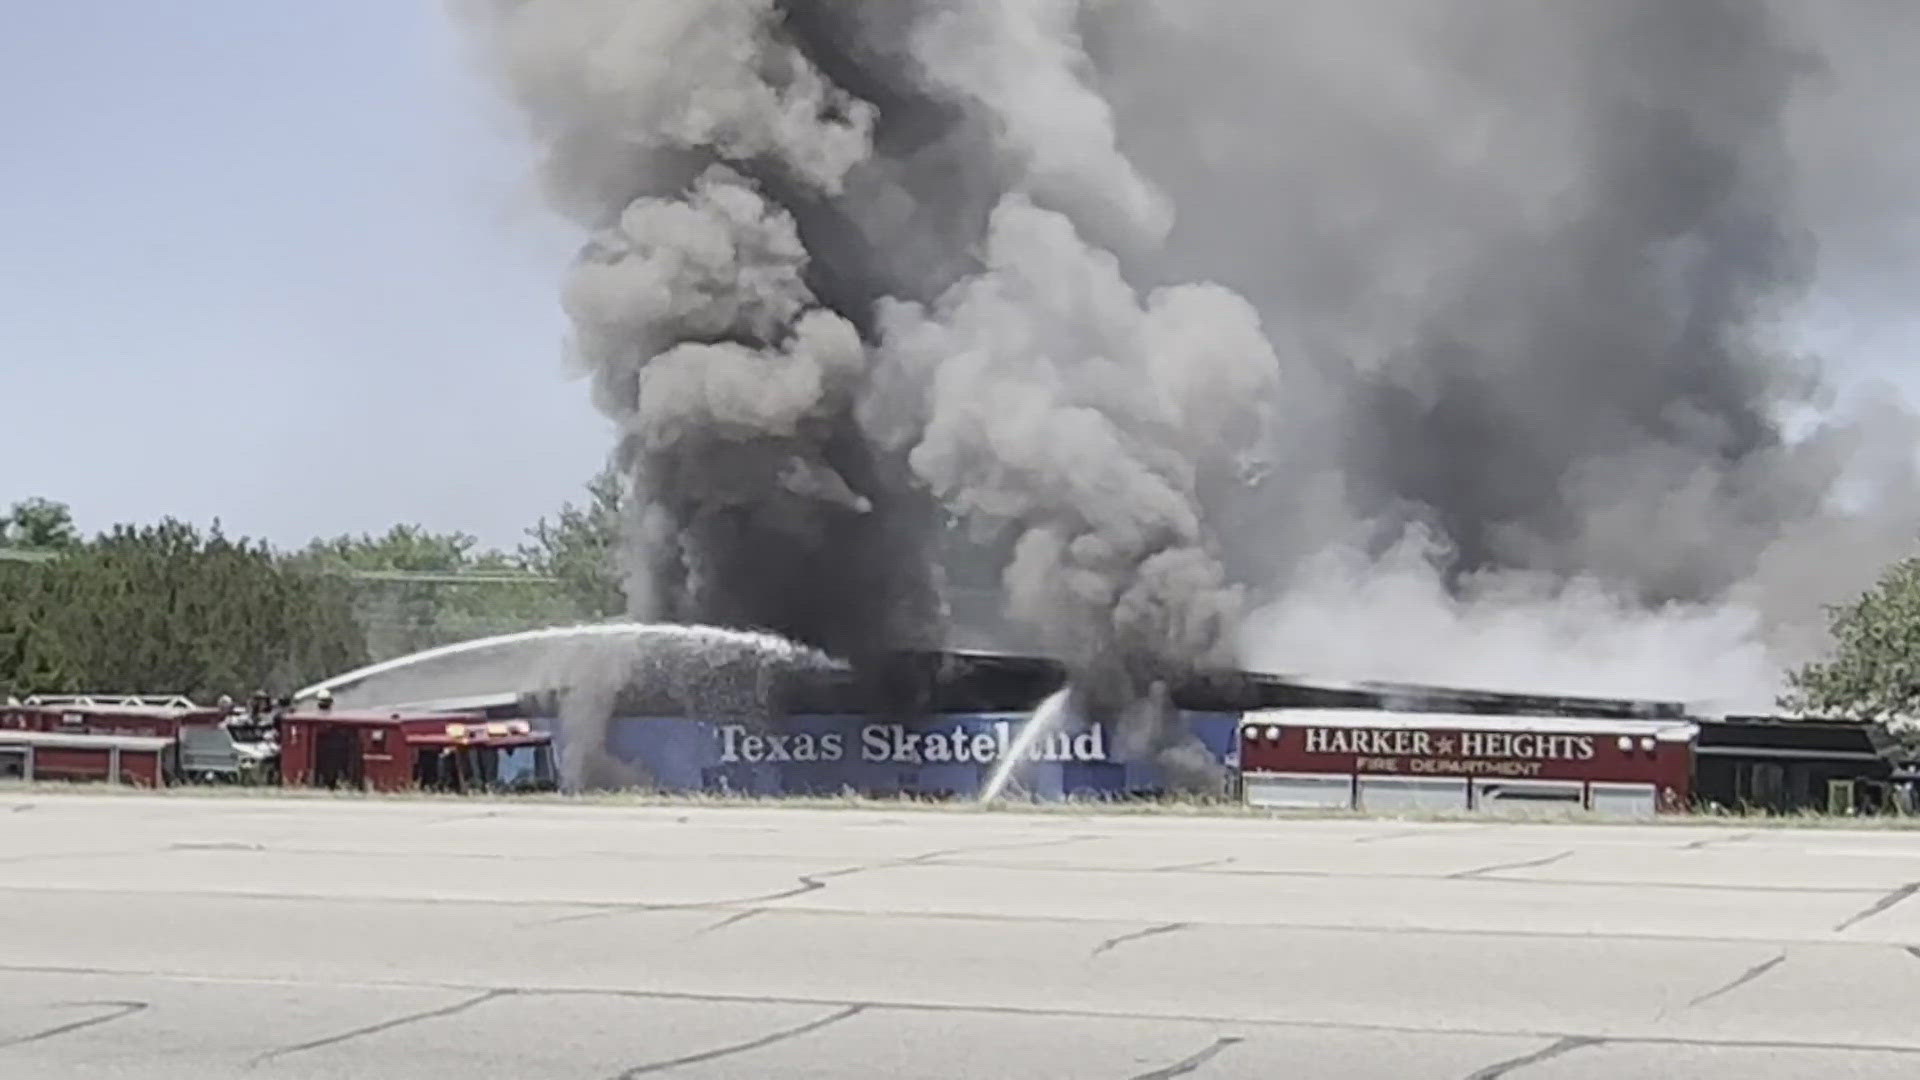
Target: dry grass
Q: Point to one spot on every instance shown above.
(1174, 806)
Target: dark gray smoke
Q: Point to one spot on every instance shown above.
(1594, 392)
(692, 139)
(1157, 307)
(1530, 254)
(765, 182)
(1534, 274)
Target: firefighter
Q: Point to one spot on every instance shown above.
(323, 700)
(279, 709)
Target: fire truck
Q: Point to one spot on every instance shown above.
(1395, 762)
(399, 751)
(151, 740)
(156, 741)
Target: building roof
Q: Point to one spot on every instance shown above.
(1787, 733)
(697, 671)
(1664, 730)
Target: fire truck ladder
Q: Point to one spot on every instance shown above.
(112, 701)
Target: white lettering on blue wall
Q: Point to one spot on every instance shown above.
(899, 745)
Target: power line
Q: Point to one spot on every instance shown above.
(27, 555)
(452, 577)
(417, 577)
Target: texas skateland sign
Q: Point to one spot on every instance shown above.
(897, 744)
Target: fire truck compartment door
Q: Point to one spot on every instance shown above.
(207, 749)
(1524, 796)
(1391, 793)
(1298, 791)
(1625, 800)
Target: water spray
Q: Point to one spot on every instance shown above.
(1048, 716)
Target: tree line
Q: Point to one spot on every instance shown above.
(172, 608)
(175, 608)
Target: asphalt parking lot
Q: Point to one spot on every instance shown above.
(224, 937)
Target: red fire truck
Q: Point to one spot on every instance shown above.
(142, 760)
(139, 739)
(155, 741)
(1410, 761)
(152, 716)
(392, 751)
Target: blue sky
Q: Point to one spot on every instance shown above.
(276, 263)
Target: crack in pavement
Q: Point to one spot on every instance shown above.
(847, 871)
(118, 1009)
(1337, 875)
(65, 856)
(1497, 867)
(1566, 1045)
(984, 1009)
(1189, 1064)
(457, 818)
(738, 917)
(1151, 931)
(416, 854)
(995, 918)
(1402, 834)
(1880, 905)
(783, 1035)
(1741, 980)
(808, 883)
(981, 849)
(1202, 865)
(384, 1025)
(926, 857)
(1711, 840)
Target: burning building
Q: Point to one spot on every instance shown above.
(691, 709)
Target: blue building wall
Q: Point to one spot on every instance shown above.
(949, 756)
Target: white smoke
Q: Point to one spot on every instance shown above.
(1395, 617)
(1023, 63)
(1353, 611)
(611, 83)
(1045, 398)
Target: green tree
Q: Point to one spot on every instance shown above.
(415, 589)
(1873, 672)
(167, 608)
(30, 658)
(39, 524)
(579, 548)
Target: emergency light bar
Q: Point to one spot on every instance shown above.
(492, 728)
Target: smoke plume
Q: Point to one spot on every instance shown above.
(683, 135)
(1539, 270)
(1420, 338)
